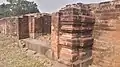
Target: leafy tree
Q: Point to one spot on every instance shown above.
(11, 1)
(17, 7)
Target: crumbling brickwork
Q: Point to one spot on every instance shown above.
(72, 40)
(23, 28)
(2, 26)
(106, 33)
(39, 24)
(9, 26)
(46, 24)
(35, 26)
(72, 35)
(55, 34)
(27, 26)
(31, 26)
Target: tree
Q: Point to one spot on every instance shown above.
(17, 7)
(12, 1)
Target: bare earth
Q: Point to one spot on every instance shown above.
(11, 55)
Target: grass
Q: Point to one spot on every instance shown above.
(13, 56)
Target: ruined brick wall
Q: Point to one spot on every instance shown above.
(23, 27)
(9, 26)
(12, 26)
(72, 35)
(39, 26)
(35, 25)
(2, 26)
(42, 22)
(107, 29)
(46, 24)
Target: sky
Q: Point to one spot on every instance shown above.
(54, 5)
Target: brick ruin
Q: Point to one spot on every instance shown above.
(8, 27)
(81, 34)
(105, 49)
(106, 33)
(72, 35)
(27, 26)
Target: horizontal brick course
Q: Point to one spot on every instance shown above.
(73, 31)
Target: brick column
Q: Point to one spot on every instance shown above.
(31, 26)
(72, 37)
(55, 35)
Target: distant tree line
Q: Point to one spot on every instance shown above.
(17, 7)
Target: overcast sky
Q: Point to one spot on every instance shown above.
(53, 5)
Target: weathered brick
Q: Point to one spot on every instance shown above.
(73, 32)
(23, 25)
(68, 55)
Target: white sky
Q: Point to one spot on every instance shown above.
(53, 5)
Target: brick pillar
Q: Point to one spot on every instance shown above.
(31, 26)
(72, 38)
(5, 28)
(55, 35)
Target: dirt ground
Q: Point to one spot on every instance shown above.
(11, 55)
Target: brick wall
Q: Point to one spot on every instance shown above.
(9, 26)
(2, 26)
(46, 24)
(26, 26)
(72, 36)
(12, 26)
(39, 25)
(106, 33)
(23, 31)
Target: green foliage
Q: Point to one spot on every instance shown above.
(12, 1)
(17, 7)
